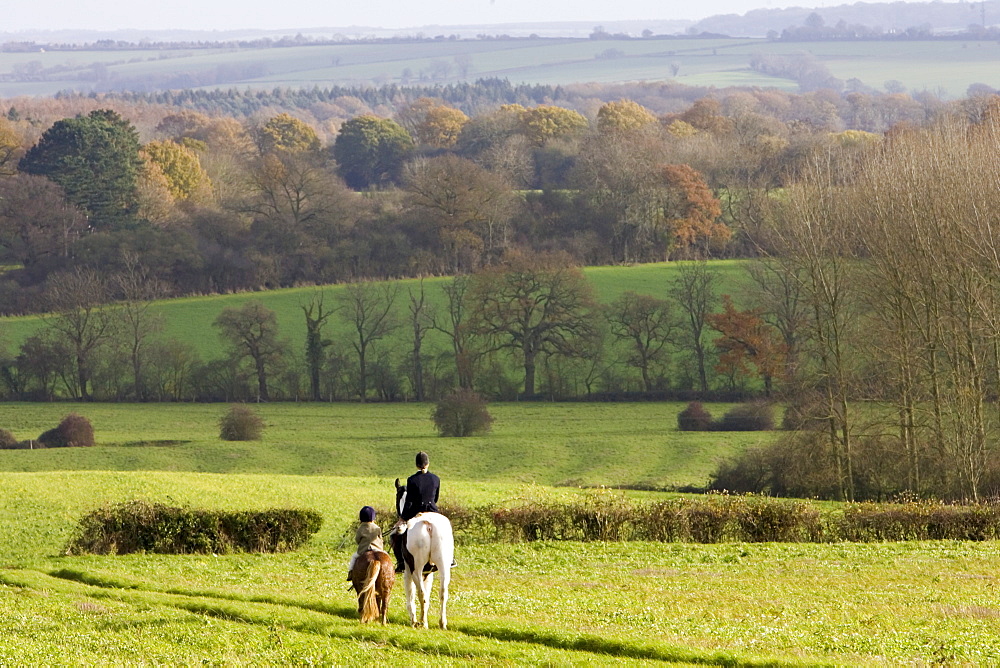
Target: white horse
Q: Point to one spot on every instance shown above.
(427, 541)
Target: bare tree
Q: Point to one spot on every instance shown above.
(138, 290)
(252, 332)
(693, 290)
(455, 324)
(316, 313)
(533, 305)
(368, 306)
(647, 325)
(421, 321)
(80, 314)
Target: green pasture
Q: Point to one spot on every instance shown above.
(568, 444)
(929, 603)
(189, 319)
(542, 603)
(947, 67)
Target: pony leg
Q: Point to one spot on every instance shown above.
(367, 599)
(443, 586)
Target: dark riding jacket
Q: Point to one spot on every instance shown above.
(421, 494)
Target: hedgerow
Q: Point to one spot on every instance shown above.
(717, 518)
(141, 526)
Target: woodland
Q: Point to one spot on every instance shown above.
(865, 221)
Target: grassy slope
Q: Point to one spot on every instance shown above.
(543, 443)
(944, 66)
(189, 319)
(537, 603)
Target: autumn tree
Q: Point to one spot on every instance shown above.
(623, 116)
(186, 179)
(11, 147)
(531, 306)
(469, 208)
(746, 339)
(252, 333)
(690, 209)
(432, 123)
(284, 132)
(547, 122)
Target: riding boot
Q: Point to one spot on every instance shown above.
(397, 550)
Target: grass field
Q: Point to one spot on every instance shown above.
(546, 444)
(931, 603)
(946, 67)
(189, 319)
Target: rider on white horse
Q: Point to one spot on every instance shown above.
(422, 489)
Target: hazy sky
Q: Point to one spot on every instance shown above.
(271, 14)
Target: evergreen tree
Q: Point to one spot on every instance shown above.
(95, 158)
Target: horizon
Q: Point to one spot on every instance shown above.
(228, 16)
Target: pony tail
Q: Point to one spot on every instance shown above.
(369, 603)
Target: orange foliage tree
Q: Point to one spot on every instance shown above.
(691, 209)
(747, 340)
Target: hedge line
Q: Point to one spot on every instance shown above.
(140, 526)
(725, 518)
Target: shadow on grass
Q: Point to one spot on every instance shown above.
(163, 443)
(234, 607)
(105, 582)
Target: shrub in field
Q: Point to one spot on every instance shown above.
(462, 413)
(140, 526)
(694, 418)
(718, 518)
(534, 522)
(7, 440)
(666, 521)
(753, 416)
(75, 431)
(241, 424)
(797, 465)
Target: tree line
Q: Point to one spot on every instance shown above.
(527, 327)
(212, 203)
(870, 306)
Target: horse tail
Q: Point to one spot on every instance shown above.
(369, 602)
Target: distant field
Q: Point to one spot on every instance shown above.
(946, 67)
(531, 443)
(190, 319)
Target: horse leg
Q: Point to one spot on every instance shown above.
(411, 605)
(426, 583)
(445, 571)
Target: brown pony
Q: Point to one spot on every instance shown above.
(373, 576)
